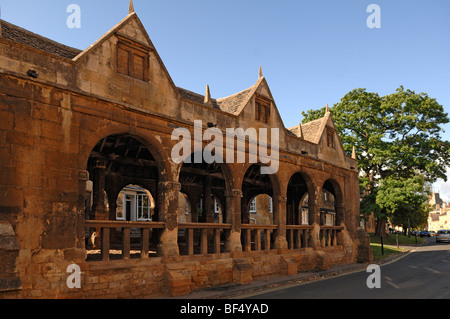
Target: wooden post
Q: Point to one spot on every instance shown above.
(145, 237)
(217, 241)
(258, 240)
(298, 240)
(267, 239)
(190, 241)
(126, 243)
(204, 241)
(105, 244)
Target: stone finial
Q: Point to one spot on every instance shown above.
(131, 7)
(207, 95)
(260, 72)
(327, 109)
(354, 153)
(300, 130)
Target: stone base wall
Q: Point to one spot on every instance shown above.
(46, 276)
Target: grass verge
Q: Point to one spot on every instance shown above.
(390, 245)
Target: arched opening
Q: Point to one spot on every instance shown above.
(204, 186)
(257, 208)
(254, 184)
(135, 203)
(297, 205)
(117, 161)
(260, 210)
(123, 187)
(304, 210)
(329, 215)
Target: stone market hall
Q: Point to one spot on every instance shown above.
(87, 178)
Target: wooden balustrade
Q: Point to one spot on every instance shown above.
(207, 238)
(105, 228)
(201, 242)
(298, 236)
(251, 237)
(329, 236)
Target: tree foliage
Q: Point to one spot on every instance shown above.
(397, 138)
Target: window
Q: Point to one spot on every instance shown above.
(305, 216)
(216, 206)
(186, 207)
(262, 110)
(143, 207)
(330, 139)
(132, 59)
(270, 205)
(252, 208)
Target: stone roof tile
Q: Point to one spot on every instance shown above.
(20, 35)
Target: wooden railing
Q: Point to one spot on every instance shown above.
(251, 237)
(201, 238)
(204, 238)
(298, 236)
(329, 236)
(105, 228)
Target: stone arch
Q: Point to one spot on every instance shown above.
(299, 185)
(333, 187)
(151, 193)
(197, 179)
(263, 210)
(146, 138)
(120, 159)
(254, 183)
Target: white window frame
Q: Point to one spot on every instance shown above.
(216, 206)
(270, 204)
(252, 207)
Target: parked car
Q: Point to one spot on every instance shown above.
(425, 233)
(415, 233)
(433, 233)
(443, 235)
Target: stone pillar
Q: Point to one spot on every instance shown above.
(168, 213)
(98, 203)
(314, 219)
(279, 219)
(208, 215)
(233, 217)
(9, 253)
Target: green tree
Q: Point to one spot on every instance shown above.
(405, 200)
(396, 136)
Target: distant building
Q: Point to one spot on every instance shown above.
(439, 217)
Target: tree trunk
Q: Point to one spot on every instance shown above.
(380, 228)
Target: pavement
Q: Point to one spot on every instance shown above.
(235, 291)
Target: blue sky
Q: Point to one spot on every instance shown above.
(311, 52)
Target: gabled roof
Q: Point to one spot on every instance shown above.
(311, 131)
(19, 35)
(233, 104)
(131, 16)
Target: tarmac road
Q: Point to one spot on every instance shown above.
(424, 273)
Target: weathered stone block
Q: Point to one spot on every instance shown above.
(9, 251)
(322, 260)
(288, 265)
(242, 271)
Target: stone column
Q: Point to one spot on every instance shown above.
(168, 213)
(208, 215)
(279, 219)
(314, 219)
(233, 217)
(99, 211)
